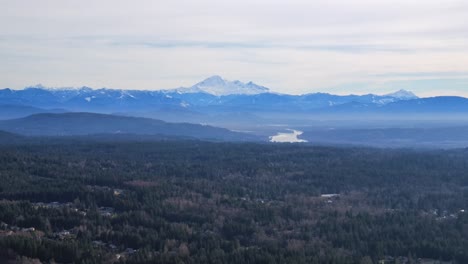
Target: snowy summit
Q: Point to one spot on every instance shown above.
(218, 86)
(403, 95)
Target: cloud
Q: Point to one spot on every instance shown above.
(424, 74)
(291, 46)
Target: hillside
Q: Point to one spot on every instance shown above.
(90, 123)
(10, 138)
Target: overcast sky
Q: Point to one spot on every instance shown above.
(294, 46)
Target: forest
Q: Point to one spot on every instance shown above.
(187, 201)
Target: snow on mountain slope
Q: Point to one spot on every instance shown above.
(218, 86)
(403, 95)
(213, 94)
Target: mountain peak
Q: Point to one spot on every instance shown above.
(216, 85)
(213, 80)
(403, 94)
(37, 86)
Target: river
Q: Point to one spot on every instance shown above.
(291, 137)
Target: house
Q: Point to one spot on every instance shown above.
(106, 211)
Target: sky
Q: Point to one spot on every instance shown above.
(294, 46)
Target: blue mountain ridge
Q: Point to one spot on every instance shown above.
(194, 101)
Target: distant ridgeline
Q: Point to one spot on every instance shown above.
(68, 124)
(248, 110)
(216, 96)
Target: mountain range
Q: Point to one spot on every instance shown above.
(213, 96)
(218, 109)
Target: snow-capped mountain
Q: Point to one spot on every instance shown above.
(218, 86)
(403, 95)
(216, 96)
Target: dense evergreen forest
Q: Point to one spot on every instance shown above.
(76, 201)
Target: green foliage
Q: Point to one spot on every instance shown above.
(200, 202)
